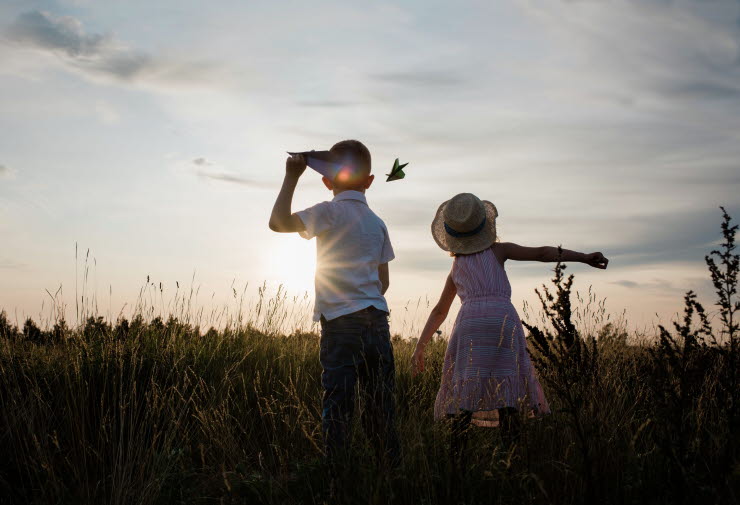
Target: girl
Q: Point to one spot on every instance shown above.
(487, 375)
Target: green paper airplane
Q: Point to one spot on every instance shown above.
(396, 172)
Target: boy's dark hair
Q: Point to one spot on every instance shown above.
(354, 151)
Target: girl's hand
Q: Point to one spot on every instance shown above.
(417, 361)
(596, 260)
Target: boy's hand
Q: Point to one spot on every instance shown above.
(417, 361)
(596, 260)
(295, 166)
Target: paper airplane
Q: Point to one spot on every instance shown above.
(327, 164)
(324, 162)
(396, 172)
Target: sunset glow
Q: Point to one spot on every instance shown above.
(161, 149)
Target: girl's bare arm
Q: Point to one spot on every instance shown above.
(551, 254)
(435, 320)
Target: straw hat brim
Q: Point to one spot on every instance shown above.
(465, 245)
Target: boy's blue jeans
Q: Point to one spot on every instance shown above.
(356, 348)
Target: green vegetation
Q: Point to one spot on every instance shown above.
(155, 411)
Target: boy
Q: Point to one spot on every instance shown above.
(353, 251)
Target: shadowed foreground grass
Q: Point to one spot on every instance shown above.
(156, 412)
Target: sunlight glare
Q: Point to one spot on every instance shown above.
(292, 261)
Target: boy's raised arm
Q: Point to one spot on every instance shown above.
(282, 219)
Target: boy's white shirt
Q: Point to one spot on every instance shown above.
(351, 241)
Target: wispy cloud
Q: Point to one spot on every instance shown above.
(700, 90)
(8, 264)
(63, 34)
(627, 284)
(99, 55)
(209, 170)
(6, 171)
(659, 52)
(329, 104)
(233, 178)
(667, 237)
(423, 78)
(658, 285)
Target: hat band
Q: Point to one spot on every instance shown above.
(460, 234)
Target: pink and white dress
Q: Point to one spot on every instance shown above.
(486, 365)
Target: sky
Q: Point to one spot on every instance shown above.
(153, 135)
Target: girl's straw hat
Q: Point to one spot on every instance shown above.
(465, 224)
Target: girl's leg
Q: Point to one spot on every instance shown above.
(459, 437)
(510, 425)
(459, 425)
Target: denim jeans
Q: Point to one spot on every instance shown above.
(356, 350)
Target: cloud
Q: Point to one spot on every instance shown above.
(328, 104)
(208, 169)
(660, 285)
(98, 55)
(423, 78)
(677, 237)
(705, 90)
(232, 178)
(63, 34)
(626, 284)
(6, 171)
(630, 240)
(653, 52)
(8, 264)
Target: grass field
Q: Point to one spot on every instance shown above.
(154, 410)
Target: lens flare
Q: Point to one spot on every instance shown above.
(348, 175)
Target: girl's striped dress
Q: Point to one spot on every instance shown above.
(486, 365)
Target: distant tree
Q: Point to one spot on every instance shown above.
(32, 333)
(96, 327)
(7, 330)
(59, 332)
(122, 329)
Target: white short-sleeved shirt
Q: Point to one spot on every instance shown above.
(351, 241)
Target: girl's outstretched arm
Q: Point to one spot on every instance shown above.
(552, 254)
(435, 320)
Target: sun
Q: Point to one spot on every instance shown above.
(292, 262)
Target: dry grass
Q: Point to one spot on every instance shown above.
(153, 410)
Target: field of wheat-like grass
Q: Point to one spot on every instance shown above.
(155, 410)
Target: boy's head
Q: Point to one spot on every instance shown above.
(356, 164)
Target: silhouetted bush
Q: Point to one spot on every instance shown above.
(33, 333)
(59, 332)
(7, 330)
(121, 330)
(96, 328)
(568, 363)
(694, 386)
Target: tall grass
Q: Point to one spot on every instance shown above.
(155, 410)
